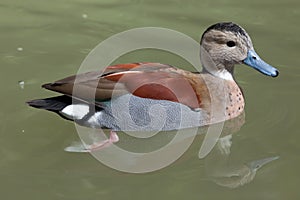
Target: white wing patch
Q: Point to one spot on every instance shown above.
(75, 111)
(94, 120)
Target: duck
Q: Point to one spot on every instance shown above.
(160, 97)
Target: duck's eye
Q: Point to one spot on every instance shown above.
(230, 43)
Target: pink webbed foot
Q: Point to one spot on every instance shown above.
(113, 138)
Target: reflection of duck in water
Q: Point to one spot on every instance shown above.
(186, 97)
(225, 170)
(238, 175)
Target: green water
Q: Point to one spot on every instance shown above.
(42, 41)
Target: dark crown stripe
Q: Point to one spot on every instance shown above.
(226, 26)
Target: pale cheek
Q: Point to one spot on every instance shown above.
(231, 55)
(236, 55)
(242, 53)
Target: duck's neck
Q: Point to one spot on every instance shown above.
(221, 73)
(216, 69)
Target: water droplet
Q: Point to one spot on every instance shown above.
(20, 48)
(84, 16)
(21, 84)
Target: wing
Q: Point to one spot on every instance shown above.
(146, 80)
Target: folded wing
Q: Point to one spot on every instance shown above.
(146, 80)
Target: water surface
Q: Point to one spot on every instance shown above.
(42, 41)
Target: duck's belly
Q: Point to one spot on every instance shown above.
(132, 113)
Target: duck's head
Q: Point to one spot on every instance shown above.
(225, 44)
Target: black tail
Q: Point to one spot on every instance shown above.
(54, 104)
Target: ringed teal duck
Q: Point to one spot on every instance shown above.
(154, 96)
